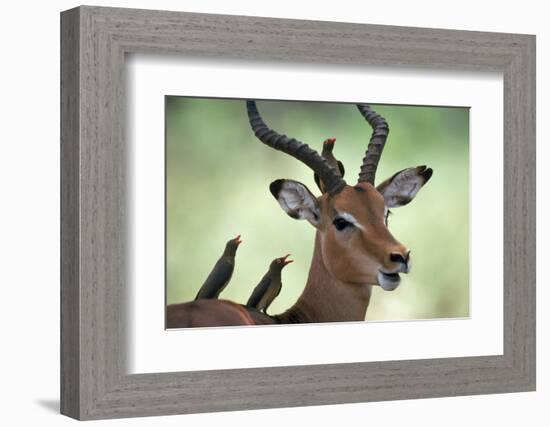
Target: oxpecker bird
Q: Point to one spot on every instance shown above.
(328, 146)
(270, 286)
(221, 274)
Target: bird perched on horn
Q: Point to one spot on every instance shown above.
(221, 274)
(328, 146)
(270, 286)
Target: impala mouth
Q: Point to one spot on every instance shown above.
(388, 281)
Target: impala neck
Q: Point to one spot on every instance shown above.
(326, 299)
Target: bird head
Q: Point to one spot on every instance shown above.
(280, 263)
(328, 146)
(232, 245)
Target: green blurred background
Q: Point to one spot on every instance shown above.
(218, 176)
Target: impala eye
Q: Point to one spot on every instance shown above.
(340, 224)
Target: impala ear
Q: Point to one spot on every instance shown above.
(296, 200)
(401, 188)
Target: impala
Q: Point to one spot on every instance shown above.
(354, 249)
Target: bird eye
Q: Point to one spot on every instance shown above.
(341, 224)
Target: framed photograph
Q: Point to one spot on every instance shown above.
(262, 213)
(254, 273)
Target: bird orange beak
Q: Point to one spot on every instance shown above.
(287, 261)
(330, 141)
(238, 239)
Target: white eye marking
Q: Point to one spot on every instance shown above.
(351, 219)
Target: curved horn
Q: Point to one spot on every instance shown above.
(380, 130)
(295, 148)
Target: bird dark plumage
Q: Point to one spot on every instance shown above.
(328, 146)
(270, 286)
(221, 274)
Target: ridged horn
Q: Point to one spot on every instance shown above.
(296, 149)
(380, 131)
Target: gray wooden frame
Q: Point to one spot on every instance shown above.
(94, 41)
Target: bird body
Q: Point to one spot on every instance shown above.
(221, 274)
(269, 287)
(328, 146)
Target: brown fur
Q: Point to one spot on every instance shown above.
(207, 312)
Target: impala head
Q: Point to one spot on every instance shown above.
(357, 246)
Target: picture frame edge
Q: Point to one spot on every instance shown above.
(94, 385)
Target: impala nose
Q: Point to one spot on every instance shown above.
(397, 257)
(401, 258)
